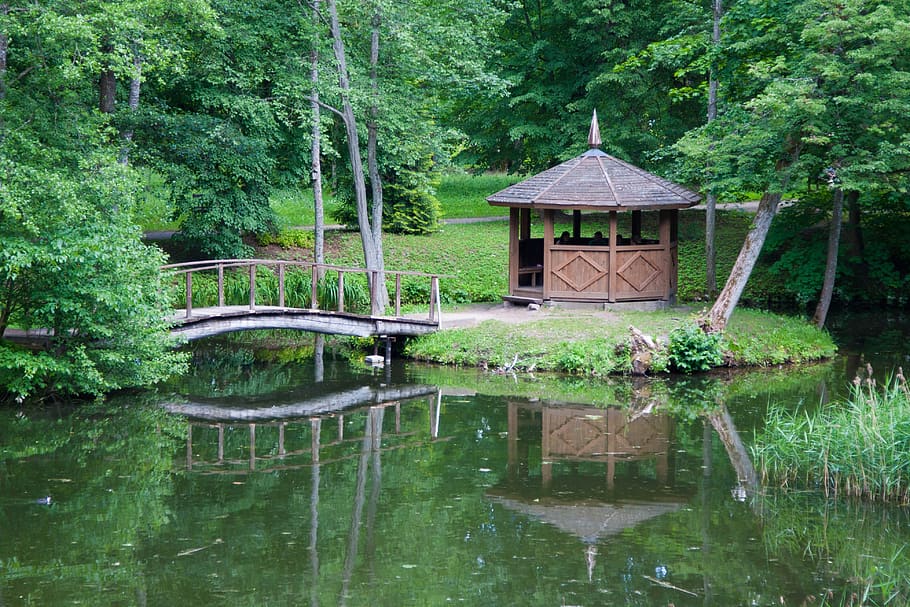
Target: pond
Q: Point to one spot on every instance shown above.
(268, 478)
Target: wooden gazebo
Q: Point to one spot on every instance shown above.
(634, 258)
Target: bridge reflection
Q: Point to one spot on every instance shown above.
(283, 428)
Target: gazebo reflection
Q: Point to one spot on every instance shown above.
(602, 470)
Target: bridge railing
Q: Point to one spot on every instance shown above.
(376, 280)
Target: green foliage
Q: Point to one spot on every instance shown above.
(409, 204)
(220, 180)
(859, 448)
(594, 358)
(691, 349)
(288, 238)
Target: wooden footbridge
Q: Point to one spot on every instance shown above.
(299, 295)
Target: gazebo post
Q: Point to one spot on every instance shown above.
(576, 224)
(611, 280)
(547, 254)
(636, 226)
(524, 229)
(665, 218)
(514, 237)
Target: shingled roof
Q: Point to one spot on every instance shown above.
(595, 181)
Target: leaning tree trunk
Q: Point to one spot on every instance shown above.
(370, 252)
(315, 155)
(726, 301)
(824, 300)
(722, 310)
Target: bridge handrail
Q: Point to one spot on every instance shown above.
(189, 267)
(213, 264)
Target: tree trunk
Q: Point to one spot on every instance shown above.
(372, 134)
(856, 248)
(315, 155)
(711, 199)
(371, 254)
(4, 48)
(135, 86)
(726, 301)
(372, 141)
(824, 301)
(107, 85)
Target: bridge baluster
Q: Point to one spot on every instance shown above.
(314, 288)
(220, 285)
(397, 294)
(434, 297)
(252, 286)
(281, 285)
(189, 294)
(340, 291)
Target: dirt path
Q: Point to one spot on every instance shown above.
(470, 315)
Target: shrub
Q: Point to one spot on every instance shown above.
(288, 238)
(692, 350)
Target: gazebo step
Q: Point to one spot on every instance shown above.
(522, 301)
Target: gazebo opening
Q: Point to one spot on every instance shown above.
(593, 229)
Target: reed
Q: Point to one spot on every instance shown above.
(858, 448)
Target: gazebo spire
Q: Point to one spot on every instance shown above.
(594, 134)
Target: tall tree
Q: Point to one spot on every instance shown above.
(71, 259)
(316, 149)
(805, 91)
(372, 251)
(711, 196)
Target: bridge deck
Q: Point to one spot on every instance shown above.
(206, 322)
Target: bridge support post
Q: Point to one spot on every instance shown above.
(388, 350)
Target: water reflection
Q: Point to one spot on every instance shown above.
(573, 434)
(279, 484)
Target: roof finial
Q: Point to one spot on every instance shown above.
(594, 134)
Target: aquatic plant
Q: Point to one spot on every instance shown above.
(858, 448)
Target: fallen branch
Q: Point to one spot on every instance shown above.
(654, 580)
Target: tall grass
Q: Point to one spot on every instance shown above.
(859, 448)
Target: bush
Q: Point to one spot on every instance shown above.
(692, 350)
(288, 238)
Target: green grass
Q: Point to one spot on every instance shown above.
(858, 448)
(463, 195)
(295, 207)
(594, 344)
(757, 338)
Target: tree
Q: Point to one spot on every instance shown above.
(370, 223)
(71, 260)
(711, 197)
(805, 82)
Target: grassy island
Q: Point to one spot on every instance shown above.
(596, 344)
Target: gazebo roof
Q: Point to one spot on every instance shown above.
(595, 181)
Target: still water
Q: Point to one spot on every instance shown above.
(267, 477)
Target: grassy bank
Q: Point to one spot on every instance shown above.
(595, 344)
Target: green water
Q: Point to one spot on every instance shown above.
(468, 489)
